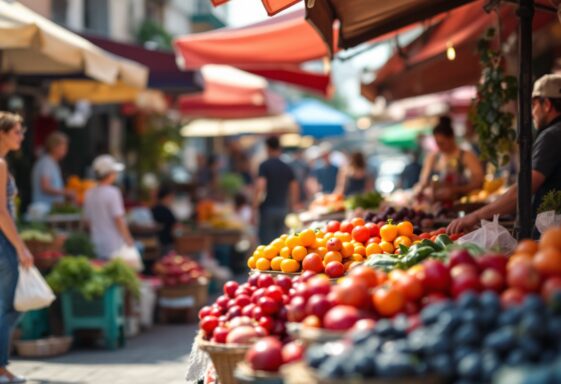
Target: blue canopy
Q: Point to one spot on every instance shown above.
(318, 119)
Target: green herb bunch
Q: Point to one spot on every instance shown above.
(551, 202)
(493, 124)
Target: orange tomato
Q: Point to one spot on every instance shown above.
(366, 274)
(291, 241)
(270, 252)
(404, 240)
(548, 261)
(263, 264)
(251, 262)
(388, 232)
(551, 239)
(360, 250)
(321, 251)
(387, 247)
(519, 258)
(285, 252)
(410, 286)
(527, 246)
(373, 249)
(381, 276)
(347, 249)
(290, 266)
(357, 221)
(307, 238)
(405, 228)
(357, 257)
(299, 252)
(388, 300)
(313, 262)
(332, 256)
(277, 244)
(276, 263)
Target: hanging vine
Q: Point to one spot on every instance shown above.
(492, 122)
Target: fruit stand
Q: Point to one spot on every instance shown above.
(355, 301)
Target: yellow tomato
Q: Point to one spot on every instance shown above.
(404, 240)
(405, 228)
(347, 249)
(263, 264)
(291, 241)
(373, 249)
(388, 232)
(360, 250)
(285, 252)
(387, 247)
(357, 257)
(270, 252)
(290, 266)
(276, 263)
(299, 252)
(251, 262)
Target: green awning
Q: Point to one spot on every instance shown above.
(402, 136)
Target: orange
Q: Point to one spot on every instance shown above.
(307, 238)
(290, 266)
(251, 262)
(386, 247)
(357, 221)
(551, 238)
(270, 252)
(263, 264)
(402, 240)
(548, 261)
(299, 252)
(348, 249)
(277, 244)
(321, 251)
(360, 250)
(405, 228)
(519, 258)
(320, 243)
(285, 252)
(276, 263)
(373, 249)
(527, 246)
(291, 241)
(332, 256)
(388, 232)
(357, 257)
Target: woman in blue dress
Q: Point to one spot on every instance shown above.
(12, 249)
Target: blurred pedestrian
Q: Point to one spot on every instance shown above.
(165, 218)
(104, 211)
(12, 248)
(276, 193)
(412, 171)
(353, 179)
(46, 177)
(301, 171)
(325, 173)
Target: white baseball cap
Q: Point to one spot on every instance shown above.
(105, 164)
(548, 86)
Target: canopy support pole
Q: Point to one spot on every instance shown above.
(525, 14)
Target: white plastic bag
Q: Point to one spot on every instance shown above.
(130, 256)
(491, 235)
(546, 220)
(32, 291)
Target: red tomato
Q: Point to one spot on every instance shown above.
(437, 276)
(387, 300)
(551, 285)
(410, 286)
(333, 226)
(346, 226)
(374, 229)
(424, 236)
(361, 234)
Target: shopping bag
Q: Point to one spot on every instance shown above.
(130, 256)
(32, 291)
(546, 220)
(491, 236)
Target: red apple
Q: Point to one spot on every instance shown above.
(220, 334)
(253, 279)
(265, 355)
(267, 323)
(318, 305)
(244, 334)
(463, 269)
(204, 312)
(461, 256)
(230, 288)
(209, 324)
(242, 301)
(275, 292)
(494, 261)
(261, 332)
(264, 281)
(284, 282)
(341, 317)
(512, 297)
(292, 352)
(492, 280)
(550, 286)
(436, 276)
(318, 285)
(248, 310)
(353, 292)
(465, 283)
(234, 311)
(297, 309)
(525, 277)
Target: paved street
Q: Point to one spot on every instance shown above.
(157, 356)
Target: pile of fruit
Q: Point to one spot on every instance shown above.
(79, 187)
(466, 341)
(176, 270)
(328, 203)
(418, 218)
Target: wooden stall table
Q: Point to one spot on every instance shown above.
(62, 222)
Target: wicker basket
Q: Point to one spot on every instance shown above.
(310, 336)
(52, 346)
(245, 375)
(224, 357)
(37, 247)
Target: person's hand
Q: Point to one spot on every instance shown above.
(463, 224)
(25, 257)
(444, 193)
(70, 195)
(254, 218)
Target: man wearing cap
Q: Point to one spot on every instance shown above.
(104, 211)
(546, 161)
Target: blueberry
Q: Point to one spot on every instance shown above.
(516, 357)
(470, 367)
(470, 316)
(510, 317)
(554, 327)
(467, 334)
(430, 314)
(442, 364)
(394, 365)
(462, 352)
(488, 319)
(384, 328)
(468, 300)
(372, 346)
(539, 376)
(531, 347)
(490, 301)
(361, 336)
(401, 324)
(397, 346)
(501, 340)
(417, 340)
(554, 303)
(436, 343)
(422, 368)
(363, 366)
(316, 356)
(447, 322)
(532, 324)
(533, 303)
(491, 364)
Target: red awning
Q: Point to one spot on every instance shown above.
(423, 68)
(272, 6)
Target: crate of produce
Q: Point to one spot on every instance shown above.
(49, 347)
(105, 313)
(245, 375)
(224, 357)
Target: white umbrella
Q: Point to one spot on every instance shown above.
(32, 44)
(230, 127)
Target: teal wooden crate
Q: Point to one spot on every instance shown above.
(105, 313)
(35, 324)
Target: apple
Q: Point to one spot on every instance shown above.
(264, 281)
(222, 301)
(432, 298)
(318, 305)
(341, 317)
(307, 275)
(204, 312)
(253, 280)
(240, 321)
(259, 293)
(275, 292)
(436, 276)
(311, 321)
(234, 311)
(550, 286)
(216, 311)
(267, 323)
(512, 297)
(230, 288)
(279, 328)
(248, 310)
(494, 261)
(465, 283)
(318, 285)
(244, 334)
(220, 334)
(268, 305)
(284, 282)
(297, 309)
(265, 355)
(209, 324)
(492, 280)
(524, 276)
(261, 332)
(353, 292)
(257, 312)
(292, 352)
(242, 301)
(463, 269)
(461, 256)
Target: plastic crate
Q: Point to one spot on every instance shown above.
(105, 313)
(35, 325)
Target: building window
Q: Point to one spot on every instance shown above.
(96, 17)
(58, 11)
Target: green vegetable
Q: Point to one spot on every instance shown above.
(35, 235)
(65, 209)
(385, 263)
(443, 241)
(368, 200)
(551, 202)
(79, 244)
(432, 244)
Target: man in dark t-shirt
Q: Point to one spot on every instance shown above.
(276, 192)
(165, 218)
(546, 161)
